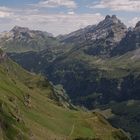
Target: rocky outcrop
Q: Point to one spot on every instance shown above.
(129, 43)
(3, 56)
(137, 27)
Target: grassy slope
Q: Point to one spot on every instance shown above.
(27, 112)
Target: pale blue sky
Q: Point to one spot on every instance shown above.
(64, 16)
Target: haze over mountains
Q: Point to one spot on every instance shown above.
(98, 66)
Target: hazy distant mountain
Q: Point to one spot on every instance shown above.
(21, 39)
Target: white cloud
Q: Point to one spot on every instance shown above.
(3, 8)
(71, 12)
(60, 23)
(118, 5)
(57, 23)
(133, 21)
(5, 12)
(57, 3)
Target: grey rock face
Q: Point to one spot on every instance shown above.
(111, 24)
(107, 26)
(129, 43)
(137, 27)
(98, 39)
(3, 56)
(20, 29)
(77, 36)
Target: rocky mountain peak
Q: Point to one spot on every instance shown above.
(20, 29)
(107, 17)
(138, 24)
(114, 16)
(112, 27)
(110, 20)
(26, 32)
(100, 39)
(137, 27)
(115, 19)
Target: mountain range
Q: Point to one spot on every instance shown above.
(98, 67)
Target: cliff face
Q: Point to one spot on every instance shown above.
(129, 43)
(3, 56)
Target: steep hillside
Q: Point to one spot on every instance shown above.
(29, 110)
